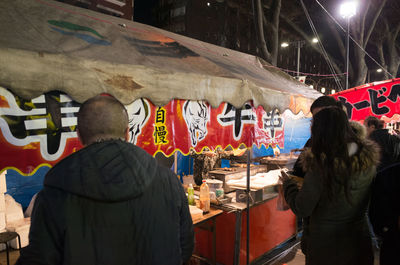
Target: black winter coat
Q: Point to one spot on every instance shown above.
(110, 203)
(384, 212)
(389, 145)
(337, 231)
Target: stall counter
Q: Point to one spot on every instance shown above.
(268, 228)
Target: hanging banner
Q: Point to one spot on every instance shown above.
(376, 99)
(42, 131)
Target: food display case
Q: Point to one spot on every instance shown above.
(281, 161)
(233, 173)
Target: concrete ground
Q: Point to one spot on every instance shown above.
(301, 260)
(14, 254)
(298, 260)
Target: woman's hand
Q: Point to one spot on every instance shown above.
(284, 176)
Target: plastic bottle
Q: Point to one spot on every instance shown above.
(204, 197)
(190, 192)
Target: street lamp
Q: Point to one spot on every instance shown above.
(298, 44)
(347, 10)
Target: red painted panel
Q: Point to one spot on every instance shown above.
(268, 228)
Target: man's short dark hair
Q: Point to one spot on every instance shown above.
(102, 118)
(374, 121)
(325, 101)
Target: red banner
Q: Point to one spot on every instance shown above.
(376, 99)
(42, 131)
(185, 125)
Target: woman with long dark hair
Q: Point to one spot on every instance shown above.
(339, 170)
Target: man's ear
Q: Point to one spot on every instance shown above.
(127, 134)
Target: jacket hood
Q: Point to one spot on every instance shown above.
(365, 156)
(109, 171)
(358, 129)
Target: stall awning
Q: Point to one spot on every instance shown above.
(47, 45)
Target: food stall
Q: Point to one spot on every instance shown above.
(181, 94)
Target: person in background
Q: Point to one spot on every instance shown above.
(110, 202)
(340, 167)
(389, 144)
(319, 104)
(384, 213)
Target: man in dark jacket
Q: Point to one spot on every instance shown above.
(109, 203)
(389, 144)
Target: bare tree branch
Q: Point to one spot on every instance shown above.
(338, 39)
(362, 24)
(260, 28)
(372, 25)
(275, 30)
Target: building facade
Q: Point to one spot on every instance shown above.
(118, 8)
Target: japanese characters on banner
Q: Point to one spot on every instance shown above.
(378, 100)
(42, 131)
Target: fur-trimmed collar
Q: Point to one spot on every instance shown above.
(367, 156)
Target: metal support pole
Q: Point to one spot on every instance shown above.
(248, 209)
(347, 53)
(298, 58)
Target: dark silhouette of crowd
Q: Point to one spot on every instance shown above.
(351, 178)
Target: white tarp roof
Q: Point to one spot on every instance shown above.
(47, 45)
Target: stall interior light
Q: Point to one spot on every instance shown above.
(311, 86)
(379, 70)
(314, 40)
(208, 4)
(348, 9)
(284, 44)
(333, 91)
(322, 89)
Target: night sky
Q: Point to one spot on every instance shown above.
(143, 11)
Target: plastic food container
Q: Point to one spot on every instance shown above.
(214, 184)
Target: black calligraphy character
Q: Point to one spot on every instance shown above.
(375, 101)
(271, 121)
(160, 135)
(237, 117)
(160, 115)
(394, 93)
(348, 105)
(52, 115)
